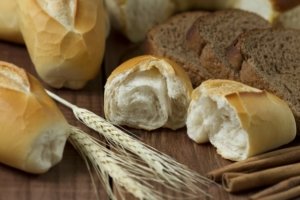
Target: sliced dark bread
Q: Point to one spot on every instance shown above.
(271, 61)
(168, 40)
(210, 37)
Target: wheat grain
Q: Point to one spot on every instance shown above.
(106, 162)
(175, 176)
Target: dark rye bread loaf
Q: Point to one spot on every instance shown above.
(201, 52)
(210, 37)
(168, 40)
(270, 59)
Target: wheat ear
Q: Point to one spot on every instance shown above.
(107, 163)
(175, 175)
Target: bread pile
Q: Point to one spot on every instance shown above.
(233, 44)
(135, 17)
(65, 39)
(33, 131)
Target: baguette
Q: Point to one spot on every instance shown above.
(239, 120)
(147, 92)
(33, 130)
(65, 39)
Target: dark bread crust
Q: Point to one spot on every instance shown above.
(271, 61)
(168, 40)
(211, 37)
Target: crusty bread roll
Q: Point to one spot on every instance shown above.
(33, 130)
(147, 92)
(65, 39)
(135, 17)
(240, 121)
(9, 25)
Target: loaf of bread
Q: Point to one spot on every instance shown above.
(65, 39)
(9, 25)
(147, 92)
(33, 130)
(168, 40)
(201, 48)
(269, 59)
(240, 121)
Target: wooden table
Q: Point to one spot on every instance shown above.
(69, 180)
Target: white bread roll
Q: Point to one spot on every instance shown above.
(9, 25)
(33, 130)
(147, 92)
(65, 39)
(240, 121)
(135, 17)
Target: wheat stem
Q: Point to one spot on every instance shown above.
(109, 163)
(176, 176)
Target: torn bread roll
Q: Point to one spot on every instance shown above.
(9, 25)
(147, 92)
(33, 130)
(65, 39)
(239, 120)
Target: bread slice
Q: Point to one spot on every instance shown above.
(271, 61)
(199, 40)
(168, 40)
(210, 37)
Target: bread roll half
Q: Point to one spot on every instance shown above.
(240, 121)
(33, 131)
(147, 92)
(65, 39)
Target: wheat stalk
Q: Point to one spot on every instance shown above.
(106, 162)
(176, 176)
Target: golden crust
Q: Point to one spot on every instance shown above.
(25, 116)
(140, 60)
(65, 56)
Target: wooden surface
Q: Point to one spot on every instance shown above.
(69, 180)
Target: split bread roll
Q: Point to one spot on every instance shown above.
(239, 120)
(65, 39)
(9, 25)
(33, 131)
(147, 92)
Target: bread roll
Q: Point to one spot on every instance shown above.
(135, 17)
(33, 130)
(147, 92)
(65, 39)
(9, 25)
(240, 121)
